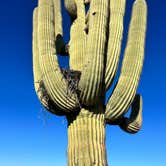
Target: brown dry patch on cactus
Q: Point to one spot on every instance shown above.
(72, 78)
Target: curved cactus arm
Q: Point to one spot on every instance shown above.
(54, 82)
(134, 122)
(38, 84)
(125, 89)
(117, 10)
(36, 67)
(92, 74)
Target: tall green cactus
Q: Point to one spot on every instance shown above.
(94, 49)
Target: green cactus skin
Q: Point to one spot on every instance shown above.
(117, 8)
(86, 138)
(94, 50)
(125, 89)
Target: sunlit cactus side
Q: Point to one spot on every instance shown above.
(94, 50)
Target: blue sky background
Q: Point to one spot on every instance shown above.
(32, 137)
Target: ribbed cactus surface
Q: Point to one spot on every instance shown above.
(94, 50)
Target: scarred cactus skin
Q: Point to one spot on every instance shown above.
(94, 49)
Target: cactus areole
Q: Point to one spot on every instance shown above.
(94, 48)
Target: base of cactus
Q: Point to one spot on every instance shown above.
(86, 138)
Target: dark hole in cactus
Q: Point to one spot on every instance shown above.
(72, 77)
(87, 24)
(61, 47)
(93, 13)
(86, 29)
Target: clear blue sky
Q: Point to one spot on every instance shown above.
(29, 137)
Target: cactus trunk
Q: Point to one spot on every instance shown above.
(86, 138)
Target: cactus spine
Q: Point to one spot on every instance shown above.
(94, 49)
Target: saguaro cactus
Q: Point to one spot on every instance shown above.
(94, 48)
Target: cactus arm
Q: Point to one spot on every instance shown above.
(52, 77)
(37, 71)
(134, 122)
(36, 66)
(92, 75)
(78, 39)
(125, 89)
(57, 17)
(117, 9)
